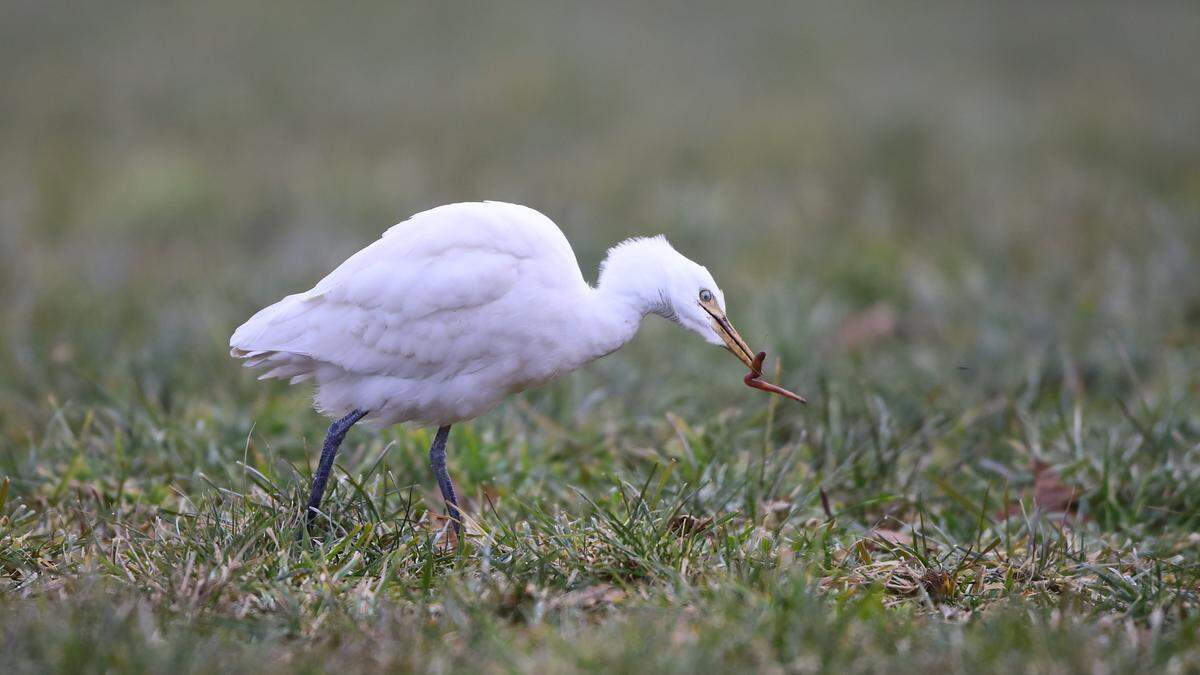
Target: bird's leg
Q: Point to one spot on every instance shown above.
(437, 460)
(333, 440)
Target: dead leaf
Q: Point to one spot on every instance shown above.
(779, 506)
(893, 537)
(1050, 495)
(1049, 492)
(590, 597)
(443, 526)
(939, 584)
(868, 326)
(685, 524)
(777, 511)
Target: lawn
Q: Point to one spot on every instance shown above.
(970, 234)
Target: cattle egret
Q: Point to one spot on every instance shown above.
(458, 307)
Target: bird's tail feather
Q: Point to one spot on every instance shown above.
(263, 341)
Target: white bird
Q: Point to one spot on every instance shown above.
(458, 307)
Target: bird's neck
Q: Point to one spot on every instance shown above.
(616, 309)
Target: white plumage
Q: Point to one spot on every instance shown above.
(460, 306)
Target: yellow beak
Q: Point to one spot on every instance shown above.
(733, 341)
(735, 344)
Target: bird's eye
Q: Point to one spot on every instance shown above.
(706, 295)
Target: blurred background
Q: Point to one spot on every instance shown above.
(927, 203)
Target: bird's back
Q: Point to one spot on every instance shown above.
(433, 322)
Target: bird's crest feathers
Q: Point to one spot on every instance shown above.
(641, 249)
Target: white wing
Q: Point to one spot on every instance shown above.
(417, 303)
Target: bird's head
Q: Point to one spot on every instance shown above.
(673, 286)
(699, 306)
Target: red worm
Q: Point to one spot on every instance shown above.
(753, 379)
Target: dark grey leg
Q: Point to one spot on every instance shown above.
(437, 459)
(333, 440)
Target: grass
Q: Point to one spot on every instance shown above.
(968, 235)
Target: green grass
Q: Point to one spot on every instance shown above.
(969, 235)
